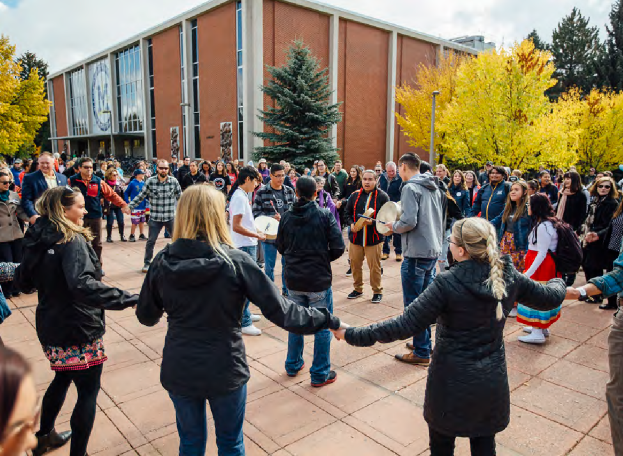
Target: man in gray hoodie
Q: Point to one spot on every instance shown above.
(422, 227)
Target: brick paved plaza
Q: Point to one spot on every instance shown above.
(374, 408)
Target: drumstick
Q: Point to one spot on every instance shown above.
(273, 205)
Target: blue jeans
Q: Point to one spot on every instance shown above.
(417, 274)
(246, 313)
(322, 339)
(397, 244)
(443, 258)
(228, 413)
(270, 258)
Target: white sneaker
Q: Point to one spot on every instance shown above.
(513, 312)
(528, 329)
(251, 331)
(535, 337)
(255, 317)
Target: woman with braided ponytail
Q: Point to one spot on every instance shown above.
(467, 393)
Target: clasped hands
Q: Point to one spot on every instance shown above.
(340, 333)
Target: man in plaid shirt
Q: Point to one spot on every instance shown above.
(163, 192)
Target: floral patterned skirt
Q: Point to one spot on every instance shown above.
(76, 357)
(507, 247)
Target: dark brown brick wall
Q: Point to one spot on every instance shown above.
(363, 79)
(167, 89)
(217, 78)
(60, 106)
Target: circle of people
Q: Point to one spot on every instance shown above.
(475, 249)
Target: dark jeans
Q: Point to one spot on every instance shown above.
(397, 244)
(246, 313)
(95, 225)
(417, 274)
(10, 252)
(112, 213)
(443, 445)
(228, 413)
(321, 365)
(154, 232)
(88, 386)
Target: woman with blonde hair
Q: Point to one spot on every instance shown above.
(467, 392)
(202, 282)
(61, 264)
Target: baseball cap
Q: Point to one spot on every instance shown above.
(262, 160)
(18, 160)
(137, 172)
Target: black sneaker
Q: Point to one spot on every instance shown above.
(142, 237)
(132, 238)
(349, 272)
(354, 294)
(377, 297)
(332, 377)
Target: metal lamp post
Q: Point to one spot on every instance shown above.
(431, 154)
(112, 141)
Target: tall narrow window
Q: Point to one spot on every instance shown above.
(184, 93)
(78, 102)
(129, 90)
(195, 104)
(52, 109)
(239, 81)
(152, 98)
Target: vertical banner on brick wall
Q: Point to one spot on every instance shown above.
(101, 96)
(175, 142)
(226, 141)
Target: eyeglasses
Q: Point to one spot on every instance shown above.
(449, 239)
(604, 186)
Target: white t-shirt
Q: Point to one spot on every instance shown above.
(239, 204)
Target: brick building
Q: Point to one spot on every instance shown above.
(193, 82)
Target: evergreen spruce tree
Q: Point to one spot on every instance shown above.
(610, 69)
(576, 51)
(538, 42)
(299, 124)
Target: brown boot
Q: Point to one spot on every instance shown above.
(410, 358)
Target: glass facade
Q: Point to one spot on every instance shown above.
(129, 90)
(195, 75)
(184, 92)
(239, 80)
(78, 103)
(152, 98)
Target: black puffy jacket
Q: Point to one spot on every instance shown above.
(467, 393)
(72, 298)
(203, 294)
(309, 240)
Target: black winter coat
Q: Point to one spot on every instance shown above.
(467, 393)
(203, 294)
(596, 255)
(309, 240)
(72, 298)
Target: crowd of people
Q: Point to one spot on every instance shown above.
(475, 247)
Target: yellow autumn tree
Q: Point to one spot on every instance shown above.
(416, 99)
(497, 111)
(593, 124)
(23, 107)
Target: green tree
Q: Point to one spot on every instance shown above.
(538, 42)
(28, 62)
(298, 127)
(610, 69)
(576, 51)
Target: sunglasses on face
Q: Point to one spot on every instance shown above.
(5, 182)
(604, 186)
(163, 167)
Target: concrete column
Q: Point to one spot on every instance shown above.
(334, 46)
(189, 133)
(253, 72)
(68, 114)
(146, 100)
(391, 95)
(114, 125)
(89, 101)
(51, 115)
(440, 50)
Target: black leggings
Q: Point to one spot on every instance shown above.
(88, 385)
(443, 445)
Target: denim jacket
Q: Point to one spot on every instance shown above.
(521, 230)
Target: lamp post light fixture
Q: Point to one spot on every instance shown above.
(186, 106)
(112, 141)
(431, 154)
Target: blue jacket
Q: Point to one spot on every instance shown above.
(133, 189)
(611, 283)
(521, 230)
(461, 196)
(491, 200)
(392, 189)
(33, 186)
(16, 173)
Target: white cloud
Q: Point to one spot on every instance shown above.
(65, 31)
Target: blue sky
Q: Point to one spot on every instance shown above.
(65, 31)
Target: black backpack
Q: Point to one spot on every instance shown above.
(568, 256)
